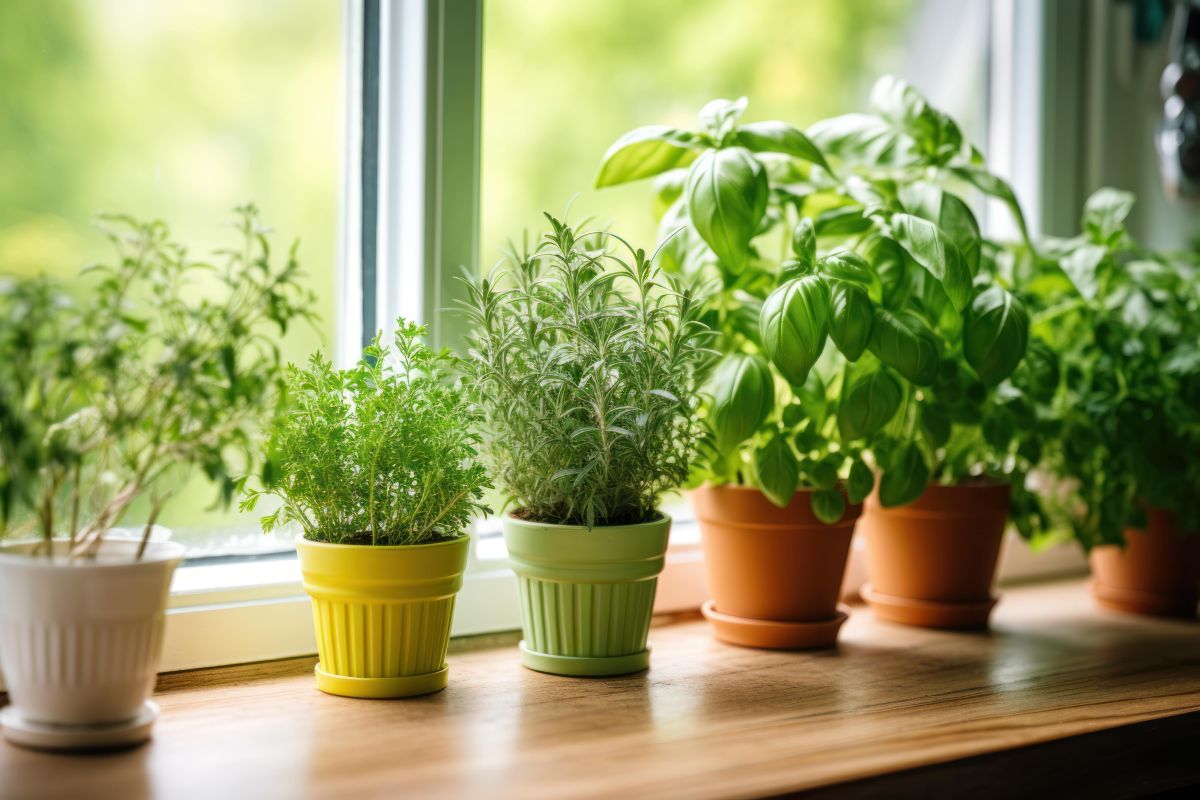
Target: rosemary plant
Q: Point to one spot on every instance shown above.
(169, 364)
(584, 363)
(379, 454)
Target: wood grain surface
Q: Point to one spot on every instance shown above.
(707, 720)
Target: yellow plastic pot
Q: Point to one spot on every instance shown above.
(586, 596)
(382, 614)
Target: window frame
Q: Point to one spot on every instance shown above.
(410, 200)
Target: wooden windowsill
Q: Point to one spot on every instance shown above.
(1056, 692)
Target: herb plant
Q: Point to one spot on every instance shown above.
(378, 454)
(1124, 421)
(854, 232)
(152, 374)
(584, 361)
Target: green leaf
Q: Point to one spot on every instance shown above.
(851, 313)
(861, 139)
(1039, 373)
(935, 424)
(860, 482)
(933, 249)
(743, 395)
(868, 404)
(997, 187)
(779, 137)
(1104, 214)
(726, 193)
(905, 343)
(812, 396)
(891, 264)
(645, 152)
(998, 430)
(804, 242)
(720, 116)
(949, 213)
(842, 221)
(906, 476)
(938, 136)
(778, 470)
(793, 324)
(828, 505)
(1082, 266)
(995, 334)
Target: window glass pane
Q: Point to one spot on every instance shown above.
(178, 111)
(563, 80)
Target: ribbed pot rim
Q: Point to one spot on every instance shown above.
(456, 541)
(156, 554)
(661, 517)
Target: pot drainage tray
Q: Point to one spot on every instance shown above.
(49, 736)
(774, 634)
(929, 613)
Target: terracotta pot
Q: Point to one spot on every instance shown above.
(933, 561)
(1156, 573)
(775, 573)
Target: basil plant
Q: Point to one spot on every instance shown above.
(852, 232)
(1123, 396)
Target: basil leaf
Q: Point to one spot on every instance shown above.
(868, 404)
(847, 265)
(1039, 373)
(861, 139)
(949, 213)
(779, 137)
(647, 151)
(933, 249)
(997, 187)
(743, 395)
(778, 471)
(850, 315)
(842, 221)
(793, 325)
(804, 242)
(995, 334)
(935, 424)
(891, 264)
(937, 135)
(906, 476)
(726, 193)
(828, 505)
(860, 482)
(1082, 266)
(812, 396)
(1104, 214)
(905, 343)
(720, 116)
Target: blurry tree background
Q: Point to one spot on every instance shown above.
(177, 111)
(181, 110)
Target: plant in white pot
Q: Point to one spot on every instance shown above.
(167, 364)
(377, 465)
(584, 362)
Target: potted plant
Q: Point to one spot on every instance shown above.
(584, 363)
(377, 465)
(107, 402)
(882, 258)
(1126, 320)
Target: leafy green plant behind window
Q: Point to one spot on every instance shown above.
(120, 397)
(584, 361)
(378, 454)
(1125, 400)
(851, 233)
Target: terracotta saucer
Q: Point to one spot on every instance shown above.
(928, 613)
(46, 736)
(1132, 601)
(772, 634)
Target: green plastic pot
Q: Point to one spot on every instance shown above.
(586, 596)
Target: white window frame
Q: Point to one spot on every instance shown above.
(410, 200)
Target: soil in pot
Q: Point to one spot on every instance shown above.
(1156, 573)
(382, 614)
(80, 642)
(586, 596)
(932, 562)
(775, 574)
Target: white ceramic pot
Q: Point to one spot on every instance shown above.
(80, 640)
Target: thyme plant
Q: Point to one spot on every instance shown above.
(168, 363)
(382, 453)
(584, 362)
